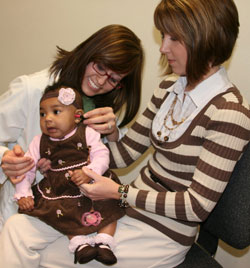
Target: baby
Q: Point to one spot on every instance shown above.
(56, 199)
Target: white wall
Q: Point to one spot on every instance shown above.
(31, 29)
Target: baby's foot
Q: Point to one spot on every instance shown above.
(104, 254)
(85, 253)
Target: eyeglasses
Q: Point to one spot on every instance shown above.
(115, 83)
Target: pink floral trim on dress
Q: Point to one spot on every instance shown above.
(58, 197)
(69, 167)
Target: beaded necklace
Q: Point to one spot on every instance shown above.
(175, 123)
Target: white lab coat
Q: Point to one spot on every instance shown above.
(19, 123)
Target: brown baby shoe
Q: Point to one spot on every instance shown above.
(85, 253)
(105, 255)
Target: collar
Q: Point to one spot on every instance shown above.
(206, 90)
(66, 136)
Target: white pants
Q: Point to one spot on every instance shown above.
(8, 207)
(27, 242)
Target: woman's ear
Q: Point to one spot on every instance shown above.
(78, 116)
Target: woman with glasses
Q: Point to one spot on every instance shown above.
(106, 68)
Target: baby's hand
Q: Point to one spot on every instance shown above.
(44, 165)
(79, 177)
(26, 203)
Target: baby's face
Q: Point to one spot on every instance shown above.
(56, 119)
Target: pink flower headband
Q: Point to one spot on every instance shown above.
(66, 95)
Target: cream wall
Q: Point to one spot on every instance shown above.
(31, 29)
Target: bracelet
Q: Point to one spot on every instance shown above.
(123, 190)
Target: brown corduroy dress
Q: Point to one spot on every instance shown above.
(58, 201)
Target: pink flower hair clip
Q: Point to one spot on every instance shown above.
(66, 95)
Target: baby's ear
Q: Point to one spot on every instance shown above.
(78, 116)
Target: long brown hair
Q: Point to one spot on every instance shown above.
(117, 48)
(207, 28)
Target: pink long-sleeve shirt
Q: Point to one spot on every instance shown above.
(99, 159)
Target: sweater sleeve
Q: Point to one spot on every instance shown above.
(23, 188)
(203, 177)
(137, 139)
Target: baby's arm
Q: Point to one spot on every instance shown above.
(98, 156)
(79, 177)
(26, 203)
(98, 153)
(23, 188)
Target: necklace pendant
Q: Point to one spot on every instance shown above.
(170, 115)
(174, 122)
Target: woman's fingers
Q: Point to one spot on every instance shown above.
(16, 180)
(14, 167)
(18, 151)
(14, 163)
(101, 188)
(91, 174)
(99, 112)
(102, 120)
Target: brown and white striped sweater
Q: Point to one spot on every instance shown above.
(194, 169)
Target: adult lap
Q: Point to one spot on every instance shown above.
(138, 245)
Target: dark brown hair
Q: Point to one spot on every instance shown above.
(52, 91)
(207, 28)
(118, 49)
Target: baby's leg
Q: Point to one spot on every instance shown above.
(82, 247)
(109, 229)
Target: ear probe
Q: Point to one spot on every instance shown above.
(79, 116)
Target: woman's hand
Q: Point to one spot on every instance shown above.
(102, 188)
(15, 164)
(103, 120)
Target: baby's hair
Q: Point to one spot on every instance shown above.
(52, 91)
